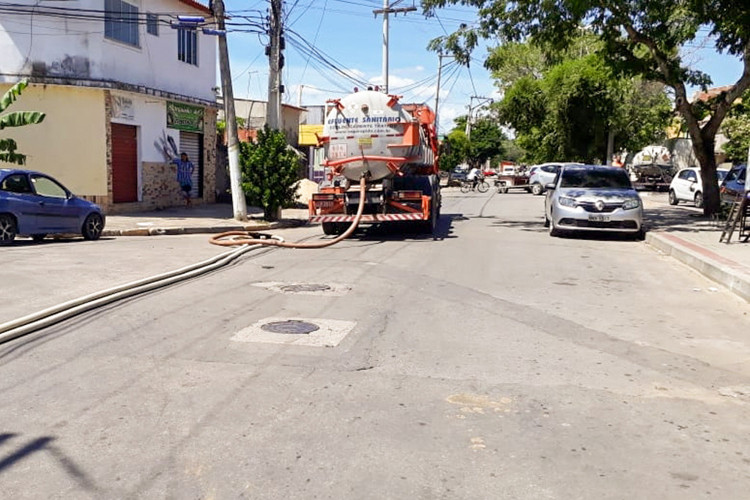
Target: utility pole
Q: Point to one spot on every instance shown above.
(239, 207)
(275, 63)
(437, 93)
(192, 23)
(385, 11)
(471, 110)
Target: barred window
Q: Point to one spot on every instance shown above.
(121, 22)
(152, 24)
(187, 46)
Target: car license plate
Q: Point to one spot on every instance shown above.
(598, 218)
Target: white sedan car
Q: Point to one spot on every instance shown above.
(688, 186)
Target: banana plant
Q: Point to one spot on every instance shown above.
(8, 146)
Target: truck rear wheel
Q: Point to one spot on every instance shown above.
(334, 228)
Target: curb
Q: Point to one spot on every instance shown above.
(159, 231)
(726, 272)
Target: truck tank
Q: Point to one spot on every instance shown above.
(371, 132)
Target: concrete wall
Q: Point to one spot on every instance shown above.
(46, 46)
(157, 183)
(70, 144)
(150, 115)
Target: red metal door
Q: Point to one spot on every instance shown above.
(124, 163)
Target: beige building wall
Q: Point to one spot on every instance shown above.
(70, 144)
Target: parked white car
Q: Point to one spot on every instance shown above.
(688, 186)
(543, 174)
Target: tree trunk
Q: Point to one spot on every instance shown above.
(272, 214)
(610, 147)
(705, 152)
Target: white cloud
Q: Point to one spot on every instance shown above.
(446, 114)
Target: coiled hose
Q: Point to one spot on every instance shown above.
(247, 238)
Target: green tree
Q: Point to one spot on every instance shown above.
(269, 172)
(485, 140)
(8, 146)
(512, 62)
(569, 110)
(453, 150)
(736, 129)
(639, 37)
(221, 125)
(512, 151)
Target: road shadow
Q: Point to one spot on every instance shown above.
(531, 226)
(680, 219)
(409, 231)
(44, 444)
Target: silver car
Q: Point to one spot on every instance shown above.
(593, 198)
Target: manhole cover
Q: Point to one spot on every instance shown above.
(294, 327)
(305, 287)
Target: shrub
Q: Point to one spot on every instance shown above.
(269, 172)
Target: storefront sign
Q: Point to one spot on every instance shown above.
(122, 108)
(184, 117)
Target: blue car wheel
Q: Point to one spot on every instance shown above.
(8, 229)
(93, 227)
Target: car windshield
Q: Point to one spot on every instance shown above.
(734, 174)
(584, 178)
(720, 174)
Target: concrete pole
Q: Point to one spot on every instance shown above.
(239, 207)
(273, 110)
(385, 11)
(437, 93)
(385, 44)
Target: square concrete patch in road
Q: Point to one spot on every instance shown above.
(329, 333)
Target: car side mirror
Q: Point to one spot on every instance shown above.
(550, 187)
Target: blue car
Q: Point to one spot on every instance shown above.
(733, 186)
(34, 204)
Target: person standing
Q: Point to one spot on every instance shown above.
(185, 170)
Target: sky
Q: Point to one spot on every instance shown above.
(348, 33)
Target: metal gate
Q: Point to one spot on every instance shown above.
(124, 163)
(192, 144)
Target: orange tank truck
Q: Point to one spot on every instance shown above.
(394, 146)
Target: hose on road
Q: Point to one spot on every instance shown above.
(247, 238)
(47, 317)
(246, 241)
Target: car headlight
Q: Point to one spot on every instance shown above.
(631, 204)
(567, 202)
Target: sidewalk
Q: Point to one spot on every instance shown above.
(214, 218)
(683, 233)
(678, 231)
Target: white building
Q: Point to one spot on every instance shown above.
(117, 83)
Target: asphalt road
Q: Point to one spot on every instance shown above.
(490, 362)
